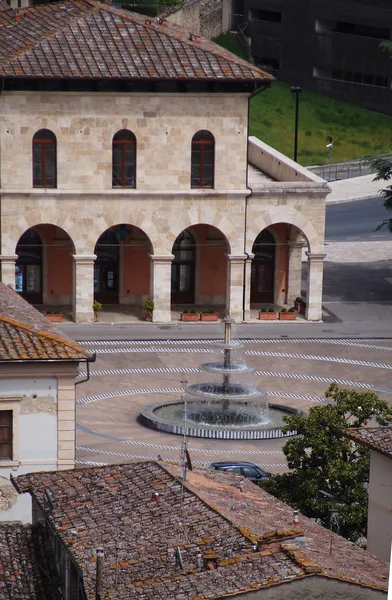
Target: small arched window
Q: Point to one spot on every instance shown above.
(44, 159)
(202, 167)
(124, 159)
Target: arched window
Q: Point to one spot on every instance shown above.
(183, 269)
(44, 159)
(202, 167)
(124, 159)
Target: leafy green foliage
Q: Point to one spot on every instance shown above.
(355, 131)
(328, 472)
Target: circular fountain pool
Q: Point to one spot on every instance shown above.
(231, 408)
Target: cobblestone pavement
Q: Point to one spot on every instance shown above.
(130, 374)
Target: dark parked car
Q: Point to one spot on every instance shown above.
(247, 469)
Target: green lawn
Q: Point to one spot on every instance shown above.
(356, 132)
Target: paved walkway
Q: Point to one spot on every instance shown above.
(358, 188)
(128, 375)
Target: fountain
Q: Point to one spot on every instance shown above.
(232, 407)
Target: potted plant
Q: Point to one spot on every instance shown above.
(97, 306)
(287, 315)
(190, 315)
(148, 307)
(267, 314)
(55, 316)
(297, 303)
(209, 314)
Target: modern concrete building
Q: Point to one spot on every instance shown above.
(379, 532)
(127, 172)
(330, 47)
(38, 371)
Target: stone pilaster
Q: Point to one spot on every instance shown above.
(248, 283)
(83, 288)
(235, 286)
(295, 271)
(8, 269)
(161, 287)
(315, 286)
(66, 422)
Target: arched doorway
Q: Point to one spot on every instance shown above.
(183, 269)
(263, 268)
(106, 268)
(28, 269)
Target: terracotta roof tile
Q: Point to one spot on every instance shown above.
(205, 539)
(25, 334)
(81, 38)
(22, 549)
(376, 438)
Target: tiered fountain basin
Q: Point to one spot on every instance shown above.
(169, 417)
(231, 408)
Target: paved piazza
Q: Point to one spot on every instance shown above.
(130, 374)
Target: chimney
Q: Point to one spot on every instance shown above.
(99, 569)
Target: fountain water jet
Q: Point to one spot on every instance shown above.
(221, 409)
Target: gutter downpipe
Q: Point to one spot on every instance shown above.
(88, 361)
(257, 91)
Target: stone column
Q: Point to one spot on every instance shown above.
(248, 283)
(315, 286)
(8, 269)
(161, 287)
(235, 286)
(83, 288)
(295, 271)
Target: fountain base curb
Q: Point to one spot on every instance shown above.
(149, 419)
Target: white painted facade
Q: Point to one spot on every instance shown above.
(379, 534)
(42, 398)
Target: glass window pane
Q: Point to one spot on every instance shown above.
(185, 278)
(116, 153)
(117, 172)
(173, 278)
(33, 278)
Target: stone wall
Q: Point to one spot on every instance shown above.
(199, 16)
(84, 125)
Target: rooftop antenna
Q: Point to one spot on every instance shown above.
(184, 447)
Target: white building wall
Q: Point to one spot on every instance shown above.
(380, 506)
(42, 397)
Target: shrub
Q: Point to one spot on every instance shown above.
(292, 309)
(97, 306)
(298, 299)
(148, 305)
(271, 310)
(283, 310)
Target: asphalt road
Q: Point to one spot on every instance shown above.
(356, 221)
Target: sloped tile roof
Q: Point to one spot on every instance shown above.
(204, 539)
(82, 38)
(25, 334)
(257, 511)
(22, 549)
(376, 438)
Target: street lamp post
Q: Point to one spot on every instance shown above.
(296, 90)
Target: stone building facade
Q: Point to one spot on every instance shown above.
(164, 232)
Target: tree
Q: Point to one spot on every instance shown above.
(383, 167)
(329, 473)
